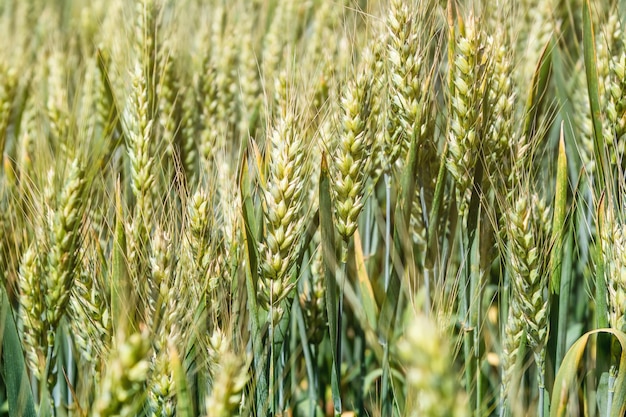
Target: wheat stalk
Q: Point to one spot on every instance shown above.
(614, 248)
(499, 136)
(89, 313)
(466, 109)
(57, 105)
(312, 297)
(121, 391)
(8, 89)
(528, 233)
(351, 156)
(427, 359)
(63, 259)
(32, 309)
(409, 82)
(229, 377)
(283, 211)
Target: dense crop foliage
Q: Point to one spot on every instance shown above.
(322, 207)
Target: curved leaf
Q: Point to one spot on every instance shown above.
(569, 369)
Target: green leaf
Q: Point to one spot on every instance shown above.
(184, 403)
(538, 87)
(308, 359)
(591, 72)
(19, 394)
(120, 280)
(433, 217)
(558, 221)
(566, 330)
(114, 122)
(402, 241)
(602, 309)
(251, 271)
(66, 363)
(368, 299)
(329, 256)
(565, 381)
(566, 109)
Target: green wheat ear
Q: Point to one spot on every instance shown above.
(226, 208)
(122, 389)
(283, 212)
(466, 111)
(529, 240)
(351, 158)
(427, 358)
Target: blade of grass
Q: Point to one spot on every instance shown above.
(566, 377)
(591, 72)
(184, 404)
(329, 256)
(198, 383)
(308, 359)
(14, 375)
(558, 220)
(537, 93)
(370, 307)
(120, 280)
(435, 210)
(114, 123)
(472, 291)
(602, 309)
(66, 369)
(402, 245)
(566, 110)
(251, 256)
(603, 362)
(564, 297)
(560, 308)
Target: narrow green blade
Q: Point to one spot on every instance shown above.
(120, 280)
(558, 221)
(565, 381)
(537, 93)
(184, 404)
(591, 72)
(19, 394)
(329, 255)
(251, 256)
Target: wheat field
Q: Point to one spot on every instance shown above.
(312, 208)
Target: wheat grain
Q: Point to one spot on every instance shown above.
(283, 211)
(32, 309)
(230, 377)
(121, 391)
(408, 98)
(351, 156)
(312, 297)
(189, 146)
(63, 259)
(138, 131)
(529, 231)
(465, 132)
(57, 105)
(499, 138)
(427, 360)
(8, 89)
(89, 313)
